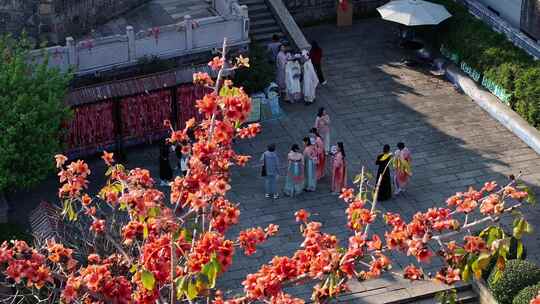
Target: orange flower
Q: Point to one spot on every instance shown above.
(474, 244)
(302, 215)
(98, 226)
(202, 79)
(448, 276)
(489, 186)
(347, 194)
(413, 273)
(60, 160)
(108, 158)
(86, 200)
(272, 229)
(216, 63)
(375, 243)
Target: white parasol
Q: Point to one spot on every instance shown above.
(414, 12)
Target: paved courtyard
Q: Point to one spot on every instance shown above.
(372, 100)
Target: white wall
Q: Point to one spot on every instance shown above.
(510, 10)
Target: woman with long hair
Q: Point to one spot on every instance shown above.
(310, 166)
(339, 169)
(294, 181)
(322, 123)
(321, 155)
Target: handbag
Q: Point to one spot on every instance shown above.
(263, 171)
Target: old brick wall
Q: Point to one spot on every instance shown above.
(309, 11)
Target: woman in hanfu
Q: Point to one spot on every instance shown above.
(294, 181)
(322, 123)
(339, 169)
(310, 165)
(385, 188)
(281, 63)
(402, 166)
(319, 144)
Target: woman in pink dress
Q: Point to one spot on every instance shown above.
(402, 166)
(339, 170)
(319, 144)
(322, 123)
(310, 165)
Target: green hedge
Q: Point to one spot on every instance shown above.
(527, 294)
(497, 59)
(517, 275)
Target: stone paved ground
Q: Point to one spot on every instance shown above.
(372, 100)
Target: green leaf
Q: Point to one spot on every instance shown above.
(211, 271)
(520, 226)
(466, 274)
(148, 279)
(519, 249)
(145, 231)
(153, 212)
(531, 198)
(192, 290)
(133, 268)
(181, 287)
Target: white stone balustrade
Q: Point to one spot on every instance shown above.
(187, 37)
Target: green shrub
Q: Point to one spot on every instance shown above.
(516, 275)
(489, 52)
(526, 294)
(12, 231)
(260, 73)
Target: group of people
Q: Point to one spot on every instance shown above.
(400, 161)
(305, 168)
(296, 75)
(166, 172)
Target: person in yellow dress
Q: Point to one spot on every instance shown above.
(228, 90)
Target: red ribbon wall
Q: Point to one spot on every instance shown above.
(93, 125)
(144, 114)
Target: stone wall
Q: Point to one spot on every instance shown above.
(530, 18)
(56, 19)
(309, 11)
(76, 17)
(18, 15)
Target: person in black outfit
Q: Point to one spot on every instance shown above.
(165, 171)
(385, 189)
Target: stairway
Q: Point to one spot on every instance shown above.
(262, 22)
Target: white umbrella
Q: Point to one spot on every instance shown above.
(413, 12)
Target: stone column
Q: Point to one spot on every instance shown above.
(72, 52)
(189, 32)
(130, 32)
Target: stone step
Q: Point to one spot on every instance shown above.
(251, 2)
(272, 29)
(263, 39)
(262, 23)
(260, 16)
(257, 8)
